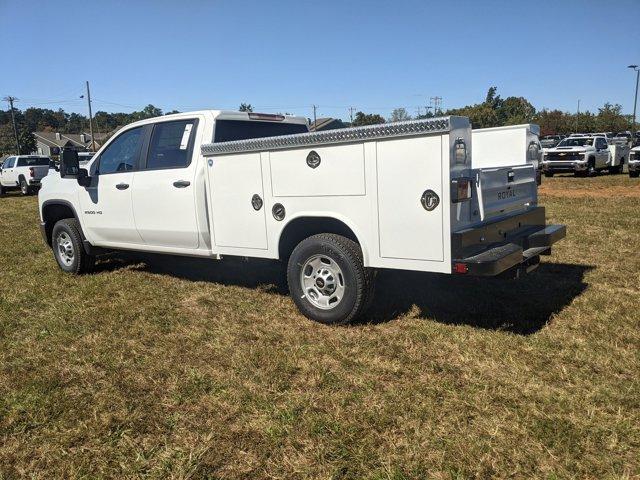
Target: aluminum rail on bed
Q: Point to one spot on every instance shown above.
(343, 135)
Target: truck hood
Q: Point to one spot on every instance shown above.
(569, 149)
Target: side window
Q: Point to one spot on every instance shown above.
(122, 154)
(171, 145)
(10, 162)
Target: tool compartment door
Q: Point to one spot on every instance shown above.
(406, 169)
(234, 181)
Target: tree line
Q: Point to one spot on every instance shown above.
(494, 111)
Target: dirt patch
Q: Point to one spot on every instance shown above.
(593, 192)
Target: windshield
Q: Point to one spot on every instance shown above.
(576, 142)
(229, 130)
(33, 162)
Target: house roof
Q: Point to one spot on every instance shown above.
(51, 139)
(326, 123)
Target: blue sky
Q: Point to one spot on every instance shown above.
(287, 55)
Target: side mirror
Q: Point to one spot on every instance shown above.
(69, 164)
(84, 180)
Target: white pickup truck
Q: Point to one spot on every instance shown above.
(336, 205)
(23, 172)
(634, 162)
(581, 155)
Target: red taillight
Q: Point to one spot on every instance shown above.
(31, 172)
(460, 268)
(266, 116)
(460, 189)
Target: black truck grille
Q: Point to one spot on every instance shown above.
(564, 156)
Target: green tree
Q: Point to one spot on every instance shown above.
(611, 119)
(399, 115)
(515, 110)
(367, 119)
(245, 107)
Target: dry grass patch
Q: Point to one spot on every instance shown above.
(166, 367)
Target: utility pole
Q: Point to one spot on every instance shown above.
(93, 145)
(315, 107)
(635, 100)
(577, 115)
(437, 104)
(351, 110)
(11, 99)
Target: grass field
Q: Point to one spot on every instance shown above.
(163, 367)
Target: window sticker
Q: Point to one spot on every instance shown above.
(185, 136)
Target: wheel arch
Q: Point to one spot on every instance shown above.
(305, 225)
(54, 211)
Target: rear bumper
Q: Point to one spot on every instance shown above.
(513, 243)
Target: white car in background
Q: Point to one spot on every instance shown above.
(634, 162)
(23, 172)
(579, 154)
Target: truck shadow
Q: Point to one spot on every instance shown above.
(522, 306)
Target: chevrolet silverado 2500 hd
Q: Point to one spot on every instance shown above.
(581, 155)
(23, 172)
(336, 205)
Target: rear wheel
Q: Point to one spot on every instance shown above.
(548, 174)
(634, 174)
(24, 187)
(66, 242)
(327, 279)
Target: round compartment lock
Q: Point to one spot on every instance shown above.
(210, 162)
(313, 159)
(278, 211)
(430, 200)
(256, 202)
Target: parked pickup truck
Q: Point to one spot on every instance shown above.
(23, 172)
(580, 154)
(634, 162)
(335, 205)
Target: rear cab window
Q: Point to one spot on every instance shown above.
(33, 162)
(171, 144)
(230, 130)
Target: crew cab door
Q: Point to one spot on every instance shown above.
(602, 152)
(106, 204)
(163, 191)
(8, 176)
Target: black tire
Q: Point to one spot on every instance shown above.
(68, 230)
(634, 174)
(548, 174)
(24, 187)
(591, 168)
(356, 280)
(2, 191)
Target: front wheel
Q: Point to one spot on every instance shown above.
(327, 279)
(66, 242)
(548, 174)
(634, 174)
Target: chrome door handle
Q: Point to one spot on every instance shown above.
(122, 186)
(181, 184)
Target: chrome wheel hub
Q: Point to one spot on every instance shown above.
(65, 248)
(322, 282)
